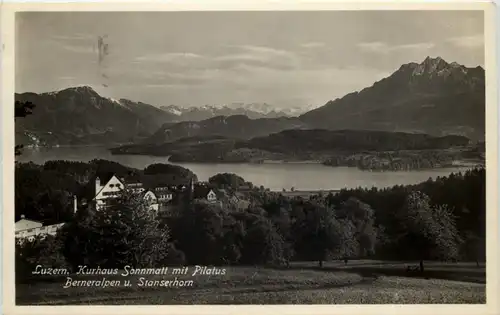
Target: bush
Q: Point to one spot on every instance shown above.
(45, 251)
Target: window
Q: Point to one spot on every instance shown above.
(111, 185)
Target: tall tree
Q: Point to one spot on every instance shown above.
(428, 232)
(127, 232)
(320, 234)
(199, 230)
(361, 216)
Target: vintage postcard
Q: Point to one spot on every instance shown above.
(208, 158)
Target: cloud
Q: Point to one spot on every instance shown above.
(263, 50)
(171, 62)
(384, 48)
(66, 78)
(313, 45)
(79, 49)
(474, 41)
(73, 37)
(76, 43)
(237, 61)
(166, 86)
(168, 57)
(258, 56)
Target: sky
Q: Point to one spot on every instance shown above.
(287, 59)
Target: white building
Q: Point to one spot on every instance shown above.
(113, 188)
(203, 192)
(151, 200)
(28, 229)
(164, 194)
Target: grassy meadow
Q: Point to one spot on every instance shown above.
(360, 282)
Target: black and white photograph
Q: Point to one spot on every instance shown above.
(250, 157)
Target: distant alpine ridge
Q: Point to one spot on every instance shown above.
(252, 111)
(432, 97)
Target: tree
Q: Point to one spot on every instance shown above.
(22, 109)
(359, 223)
(348, 239)
(319, 233)
(127, 232)
(227, 180)
(199, 230)
(231, 242)
(81, 239)
(44, 195)
(45, 250)
(427, 232)
(144, 237)
(474, 248)
(263, 244)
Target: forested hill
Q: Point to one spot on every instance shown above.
(331, 147)
(317, 140)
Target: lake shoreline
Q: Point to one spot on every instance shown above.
(455, 164)
(371, 161)
(276, 176)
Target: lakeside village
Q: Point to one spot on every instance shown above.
(163, 199)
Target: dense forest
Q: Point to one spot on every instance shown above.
(408, 160)
(319, 140)
(441, 219)
(45, 192)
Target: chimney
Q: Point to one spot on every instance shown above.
(75, 204)
(97, 185)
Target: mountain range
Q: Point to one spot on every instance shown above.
(433, 97)
(252, 111)
(80, 115)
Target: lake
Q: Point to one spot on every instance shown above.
(276, 176)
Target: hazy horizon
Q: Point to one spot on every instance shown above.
(286, 59)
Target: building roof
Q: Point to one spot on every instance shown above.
(163, 190)
(148, 192)
(19, 226)
(103, 184)
(28, 220)
(133, 183)
(201, 191)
